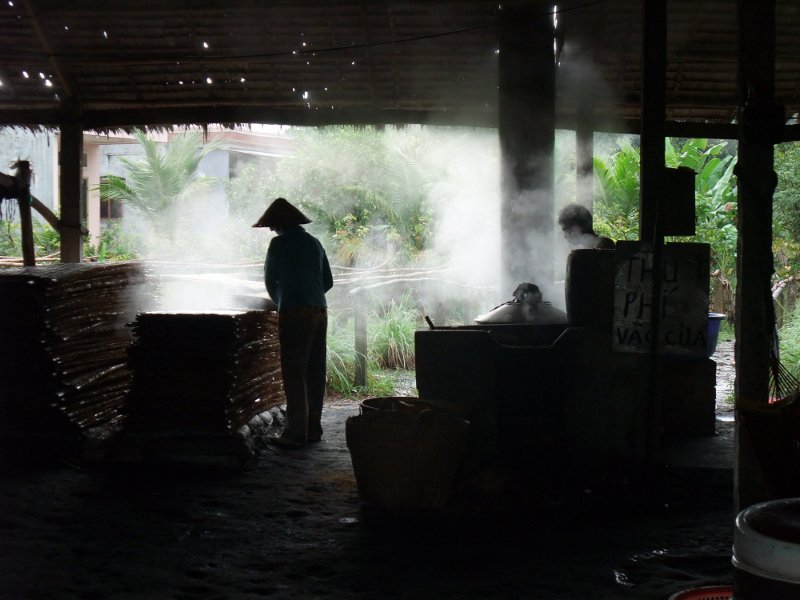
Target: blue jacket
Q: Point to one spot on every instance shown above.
(297, 272)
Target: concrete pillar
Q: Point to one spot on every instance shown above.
(584, 155)
(527, 143)
(71, 172)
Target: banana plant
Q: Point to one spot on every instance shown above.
(616, 192)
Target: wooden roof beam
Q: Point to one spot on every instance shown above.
(119, 119)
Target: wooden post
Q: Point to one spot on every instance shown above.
(654, 68)
(651, 196)
(23, 178)
(527, 142)
(71, 172)
(758, 131)
(360, 326)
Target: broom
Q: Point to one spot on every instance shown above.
(784, 387)
(774, 430)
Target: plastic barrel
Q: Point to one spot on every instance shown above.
(766, 551)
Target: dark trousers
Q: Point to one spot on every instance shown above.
(302, 331)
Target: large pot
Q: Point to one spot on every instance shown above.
(522, 312)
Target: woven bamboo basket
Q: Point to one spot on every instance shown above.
(405, 456)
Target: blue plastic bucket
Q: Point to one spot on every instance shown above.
(714, 323)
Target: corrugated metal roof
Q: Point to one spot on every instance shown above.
(118, 62)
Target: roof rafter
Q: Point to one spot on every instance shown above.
(63, 77)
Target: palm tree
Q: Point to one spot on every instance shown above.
(408, 182)
(161, 185)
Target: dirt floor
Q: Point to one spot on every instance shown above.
(292, 526)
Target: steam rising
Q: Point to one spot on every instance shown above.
(216, 258)
(466, 201)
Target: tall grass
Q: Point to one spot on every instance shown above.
(341, 355)
(789, 337)
(726, 331)
(342, 362)
(390, 332)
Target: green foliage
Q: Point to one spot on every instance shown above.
(248, 194)
(349, 233)
(390, 336)
(786, 209)
(342, 363)
(616, 199)
(715, 198)
(163, 185)
(333, 177)
(46, 240)
(716, 218)
(408, 180)
(115, 244)
(391, 333)
(617, 178)
(365, 190)
(726, 331)
(786, 252)
(617, 194)
(379, 383)
(10, 235)
(10, 240)
(789, 337)
(341, 356)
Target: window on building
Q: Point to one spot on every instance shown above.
(110, 208)
(241, 161)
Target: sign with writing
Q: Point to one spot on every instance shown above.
(682, 324)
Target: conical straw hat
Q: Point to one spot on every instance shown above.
(281, 213)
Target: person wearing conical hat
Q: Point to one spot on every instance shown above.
(297, 276)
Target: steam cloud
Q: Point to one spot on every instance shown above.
(465, 197)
